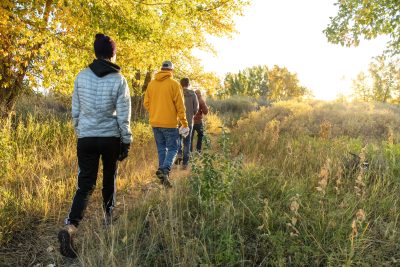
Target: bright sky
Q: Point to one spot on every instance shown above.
(288, 33)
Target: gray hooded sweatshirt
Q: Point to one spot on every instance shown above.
(191, 105)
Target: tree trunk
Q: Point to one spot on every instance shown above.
(7, 102)
(10, 94)
(147, 79)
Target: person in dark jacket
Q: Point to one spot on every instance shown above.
(198, 125)
(101, 111)
(192, 106)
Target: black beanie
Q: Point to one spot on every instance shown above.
(104, 46)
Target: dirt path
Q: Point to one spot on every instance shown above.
(38, 246)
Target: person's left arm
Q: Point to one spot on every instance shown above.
(146, 100)
(76, 107)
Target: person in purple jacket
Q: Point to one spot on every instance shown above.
(198, 125)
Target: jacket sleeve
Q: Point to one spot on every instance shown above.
(195, 104)
(76, 107)
(124, 112)
(204, 108)
(180, 105)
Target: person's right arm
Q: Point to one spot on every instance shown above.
(180, 105)
(123, 108)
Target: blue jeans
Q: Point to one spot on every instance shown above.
(167, 141)
(186, 147)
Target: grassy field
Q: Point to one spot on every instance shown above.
(294, 184)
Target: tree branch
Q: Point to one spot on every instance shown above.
(152, 4)
(217, 6)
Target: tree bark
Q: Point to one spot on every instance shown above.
(7, 102)
(147, 79)
(10, 94)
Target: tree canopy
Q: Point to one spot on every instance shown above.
(273, 83)
(45, 43)
(366, 19)
(381, 83)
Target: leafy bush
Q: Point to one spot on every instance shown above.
(234, 104)
(213, 123)
(232, 108)
(214, 173)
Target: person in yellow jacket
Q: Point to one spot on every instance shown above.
(165, 103)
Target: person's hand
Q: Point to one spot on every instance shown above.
(184, 131)
(123, 152)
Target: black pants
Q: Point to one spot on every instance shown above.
(89, 150)
(198, 127)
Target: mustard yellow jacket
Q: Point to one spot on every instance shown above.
(164, 101)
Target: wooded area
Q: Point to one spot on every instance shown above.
(44, 44)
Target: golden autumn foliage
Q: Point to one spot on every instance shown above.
(44, 44)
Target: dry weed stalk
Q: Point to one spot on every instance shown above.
(325, 130)
(265, 216)
(324, 177)
(295, 216)
(271, 133)
(359, 187)
(338, 181)
(390, 135)
(355, 225)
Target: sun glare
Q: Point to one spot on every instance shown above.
(289, 34)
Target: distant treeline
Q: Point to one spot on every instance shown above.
(273, 84)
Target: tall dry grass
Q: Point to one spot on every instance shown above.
(369, 121)
(281, 189)
(269, 195)
(37, 165)
(38, 169)
(332, 187)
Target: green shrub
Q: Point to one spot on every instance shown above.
(234, 104)
(232, 108)
(214, 173)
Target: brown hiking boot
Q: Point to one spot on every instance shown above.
(165, 181)
(65, 237)
(164, 178)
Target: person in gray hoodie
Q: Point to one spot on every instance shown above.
(101, 112)
(192, 106)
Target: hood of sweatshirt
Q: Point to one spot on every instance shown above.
(188, 92)
(102, 67)
(163, 75)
